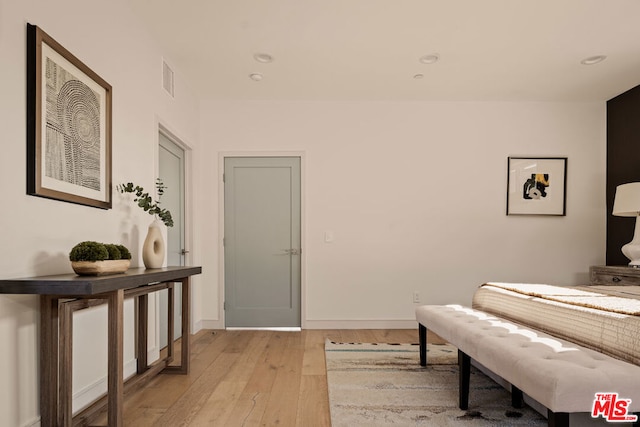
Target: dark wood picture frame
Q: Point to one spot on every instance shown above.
(537, 186)
(68, 125)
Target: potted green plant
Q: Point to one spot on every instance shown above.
(91, 258)
(153, 248)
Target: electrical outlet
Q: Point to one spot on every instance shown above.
(416, 297)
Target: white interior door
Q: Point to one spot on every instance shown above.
(262, 241)
(171, 171)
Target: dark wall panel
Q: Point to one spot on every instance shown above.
(623, 165)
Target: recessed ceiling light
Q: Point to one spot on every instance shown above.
(593, 60)
(265, 58)
(256, 77)
(430, 58)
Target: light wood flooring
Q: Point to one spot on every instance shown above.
(249, 378)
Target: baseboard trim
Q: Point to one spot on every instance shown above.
(274, 328)
(331, 324)
(360, 324)
(35, 422)
(92, 392)
(210, 324)
(197, 326)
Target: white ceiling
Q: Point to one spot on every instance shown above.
(370, 49)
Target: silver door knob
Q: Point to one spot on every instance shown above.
(292, 251)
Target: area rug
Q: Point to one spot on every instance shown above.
(384, 384)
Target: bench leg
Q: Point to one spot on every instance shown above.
(422, 336)
(464, 363)
(557, 419)
(517, 399)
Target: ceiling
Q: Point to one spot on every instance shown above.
(502, 50)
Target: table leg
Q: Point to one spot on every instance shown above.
(65, 395)
(115, 388)
(48, 360)
(183, 368)
(143, 331)
(186, 326)
(170, 322)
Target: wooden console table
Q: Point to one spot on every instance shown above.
(61, 295)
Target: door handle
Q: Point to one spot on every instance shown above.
(292, 251)
(184, 252)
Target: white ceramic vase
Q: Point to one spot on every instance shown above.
(153, 248)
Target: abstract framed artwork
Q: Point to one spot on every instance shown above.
(68, 125)
(537, 186)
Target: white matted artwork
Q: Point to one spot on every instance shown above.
(68, 125)
(536, 186)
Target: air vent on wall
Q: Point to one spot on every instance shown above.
(167, 78)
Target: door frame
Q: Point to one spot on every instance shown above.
(221, 273)
(188, 182)
(167, 143)
(162, 127)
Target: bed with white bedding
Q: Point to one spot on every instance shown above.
(585, 315)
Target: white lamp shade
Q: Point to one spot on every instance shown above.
(627, 200)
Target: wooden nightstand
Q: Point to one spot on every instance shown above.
(618, 275)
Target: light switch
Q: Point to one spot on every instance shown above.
(328, 236)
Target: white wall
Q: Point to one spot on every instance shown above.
(38, 233)
(415, 195)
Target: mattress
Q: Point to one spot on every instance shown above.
(562, 312)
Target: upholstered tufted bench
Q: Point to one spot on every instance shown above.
(562, 376)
